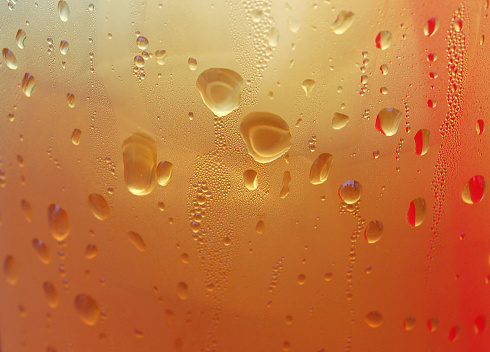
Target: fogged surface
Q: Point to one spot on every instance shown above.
(244, 175)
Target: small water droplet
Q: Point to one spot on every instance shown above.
(51, 294)
(192, 64)
(285, 185)
(388, 120)
(294, 24)
(373, 319)
(409, 323)
(320, 168)
(137, 240)
(63, 10)
(91, 251)
(339, 120)
(432, 57)
(376, 154)
(480, 126)
(301, 279)
(422, 141)
(70, 99)
(431, 27)
(260, 227)
(433, 75)
(59, 224)
(384, 69)
(10, 270)
(9, 58)
(75, 136)
(474, 190)
(343, 22)
(350, 191)
(431, 103)
(164, 172)
(182, 290)
(139, 158)
(161, 56)
(227, 241)
(26, 207)
(432, 324)
(308, 85)
(328, 276)
(91, 7)
(374, 231)
(142, 43)
(383, 90)
(383, 40)
(64, 47)
(273, 37)
(41, 250)
(480, 324)
(139, 61)
(87, 309)
(454, 333)
(21, 38)
(161, 206)
(28, 84)
(257, 15)
(458, 25)
(416, 212)
(98, 206)
(251, 180)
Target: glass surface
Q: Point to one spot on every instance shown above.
(244, 175)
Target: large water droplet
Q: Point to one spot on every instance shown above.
(51, 294)
(320, 168)
(161, 56)
(87, 309)
(260, 227)
(28, 84)
(339, 120)
(285, 185)
(374, 231)
(266, 136)
(26, 207)
(383, 40)
(350, 191)
(343, 22)
(137, 240)
(21, 38)
(308, 85)
(142, 43)
(98, 206)
(10, 270)
(182, 290)
(422, 141)
(474, 190)
(388, 120)
(164, 172)
(431, 27)
(480, 324)
(139, 61)
(273, 37)
(9, 58)
(220, 89)
(59, 224)
(250, 179)
(373, 319)
(75, 136)
(91, 251)
(41, 250)
(63, 10)
(140, 158)
(64, 47)
(416, 212)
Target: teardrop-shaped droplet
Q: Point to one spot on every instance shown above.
(27, 209)
(63, 10)
(51, 294)
(164, 172)
(416, 212)
(9, 58)
(137, 240)
(99, 206)
(59, 224)
(161, 56)
(383, 40)
(182, 290)
(409, 323)
(140, 159)
(350, 191)
(344, 21)
(373, 319)
(139, 61)
(339, 120)
(266, 136)
(220, 90)
(388, 120)
(10, 270)
(41, 250)
(251, 180)
(374, 231)
(64, 47)
(21, 38)
(320, 168)
(422, 141)
(431, 27)
(474, 190)
(308, 85)
(28, 84)
(87, 309)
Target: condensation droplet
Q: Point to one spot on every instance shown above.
(59, 224)
(308, 85)
(21, 38)
(416, 212)
(273, 37)
(192, 64)
(422, 141)
(260, 227)
(431, 103)
(139, 158)
(350, 191)
(64, 47)
(374, 231)
(51, 294)
(9, 58)
(480, 127)
(320, 168)
(139, 61)
(458, 25)
(373, 319)
(376, 154)
(164, 172)
(383, 90)
(70, 99)
(409, 323)
(474, 190)
(343, 22)
(432, 57)
(161, 56)
(10, 270)
(339, 120)
(432, 324)
(137, 240)
(383, 40)
(182, 290)
(28, 84)
(454, 333)
(87, 308)
(41, 250)
(142, 43)
(251, 180)
(75, 136)
(384, 69)
(301, 279)
(480, 324)
(27, 209)
(91, 251)
(285, 185)
(294, 25)
(98, 206)
(63, 10)
(388, 120)
(431, 27)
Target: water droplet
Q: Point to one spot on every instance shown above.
(142, 43)
(257, 15)
(9, 58)
(289, 320)
(139, 158)
(328, 276)
(350, 191)
(273, 37)
(454, 333)
(416, 212)
(21, 38)
(87, 309)
(294, 25)
(433, 75)
(301, 279)
(266, 136)
(480, 324)
(432, 324)
(91, 251)
(64, 47)
(161, 206)
(431, 27)
(384, 69)
(474, 190)
(431, 103)
(75, 136)
(482, 39)
(422, 141)
(339, 120)
(432, 57)
(320, 168)
(182, 290)
(388, 120)
(480, 126)
(458, 25)
(308, 85)
(41, 250)
(59, 224)
(70, 99)
(139, 61)
(98, 206)
(28, 84)
(91, 7)
(137, 241)
(383, 40)
(10, 270)
(220, 89)
(383, 90)
(409, 323)
(260, 227)
(63, 10)
(376, 154)
(161, 56)
(374, 231)
(26, 207)
(51, 294)
(164, 172)
(227, 241)
(285, 185)
(192, 64)
(343, 22)
(373, 319)
(251, 180)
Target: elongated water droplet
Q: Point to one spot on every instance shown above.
(343, 22)
(383, 40)
(480, 127)
(140, 158)
(21, 38)
(458, 25)
(192, 64)
(75, 136)
(454, 333)
(137, 240)
(63, 10)
(294, 25)
(28, 84)
(51, 294)
(474, 190)
(416, 212)
(388, 120)
(273, 37)
(26, 207)
(350, 191)
(422, 141)
(308, 85)
(182, 290)
(59, 224)
(98, 206)
(250, 179)
(9, 58)
(70, 99)
(431, 27)
(285, 185)
(161, 56)
(10, 270)
(91, 251)
(220, 90)
(87, 309)
(41, 250)
(374, 231)
(64, 47)
(339, 120)
(320, 168)
(384, 69)
(266, 136)
(432, 324)
(142, 43)
(260, 227)
(164, 172)
(373, 319)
